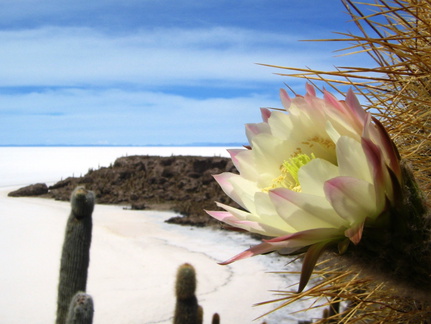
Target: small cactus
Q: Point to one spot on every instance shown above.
(187, 310)
(81, 309)
(200, 319)
(75, 256)
(216, 319)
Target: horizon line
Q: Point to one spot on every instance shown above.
(127, 145)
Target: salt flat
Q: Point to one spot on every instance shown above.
(134, 255)
(134, 258)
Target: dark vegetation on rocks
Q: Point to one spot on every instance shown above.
(183, 184)
(37, 189)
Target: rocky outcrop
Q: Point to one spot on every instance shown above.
(29, 191)
(183, 184)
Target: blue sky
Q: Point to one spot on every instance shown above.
(149, 72)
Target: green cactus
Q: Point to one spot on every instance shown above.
(75, 256)
(216, 319)
(187, 310)
(81, 309)
(200, 319)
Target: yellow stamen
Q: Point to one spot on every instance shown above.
(289, 173)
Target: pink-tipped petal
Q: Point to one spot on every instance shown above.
(291, 242)
(342, 113)
(252, 223)
(235, 220)
(352, 198)
(376, 164)
(354, 233)
(266, 113)
(305, 238)
(255, 250)
(254, 129)
(374, 158)
(353, 103)
(223, 180)
(369, 130)
(243, 161)
(233, 153)
(239, 188)
(329, 98)
(219, 215)
(285, 99)
(310, 89)
(389, 149)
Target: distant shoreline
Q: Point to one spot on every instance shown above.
(128, 145)
(182, 184)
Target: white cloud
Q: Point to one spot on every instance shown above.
(82, 56)
(76, 116)
(113, 88)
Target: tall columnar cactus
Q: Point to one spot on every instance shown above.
(187, 310)
(75, 256)
(81, 309)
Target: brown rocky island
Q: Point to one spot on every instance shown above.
(183, 184)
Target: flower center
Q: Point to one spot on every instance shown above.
(289, 173)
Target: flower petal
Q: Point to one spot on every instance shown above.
(280, 124)
(341, 119)
(285, 99)
(244, 163)
(354, 233)
(352, 198)
(269, 153)
(305, 212)
(355, 107)
(255, 250)
(332, 131)
(310, 89)
(235, 221)
(256, 223)
(268, 216)
(251, 130)
(291, 242)
(313, 175)
(390, 151)
(352, 161)
(266, 113)
(238, 188)
(381, 177)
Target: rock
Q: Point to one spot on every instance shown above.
(37, 189)
(183, 184)
(139, 206)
